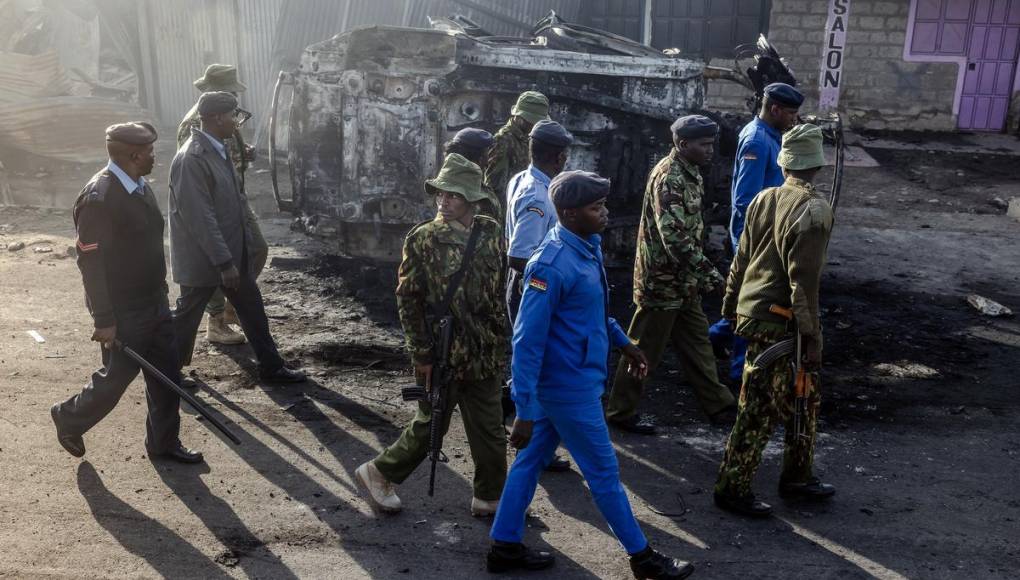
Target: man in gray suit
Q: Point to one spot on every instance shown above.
(209, 239)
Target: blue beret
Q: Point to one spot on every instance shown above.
(784, 94)
(573, 189)
(215, 103)
(474, 138)
(694, 127)
(552, 133)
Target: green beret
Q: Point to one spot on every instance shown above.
(220, 77)
(802, 148)
(573, 189)
(132, 133)
(216, 103)
(532, 106)
(457, 175)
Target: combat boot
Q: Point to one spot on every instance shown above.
(230, 314)
(813, 488)
(381, 492)
(509, 556)
(218, 332)
(651, 564)
(746, 505)
(481, 508)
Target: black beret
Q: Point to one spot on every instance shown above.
(551, 133)
(474, 138)
(694, 127)
(216, 103)
(784, 94)
(132, 133)
(573, 189)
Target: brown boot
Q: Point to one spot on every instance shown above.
(217, 332)
(229, 314)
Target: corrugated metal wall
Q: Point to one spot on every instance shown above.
(262, 37)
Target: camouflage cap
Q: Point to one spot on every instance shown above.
(132, 133)
(457, 175)
(532, 106)
(216, 103)
(220, 77)
(802, 148)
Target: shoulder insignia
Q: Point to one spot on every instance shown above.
(537, 210)
(84, 248)
(750, 157)
(538, 284)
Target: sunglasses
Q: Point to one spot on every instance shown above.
(241, 116)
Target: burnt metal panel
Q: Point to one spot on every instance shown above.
(499, 18)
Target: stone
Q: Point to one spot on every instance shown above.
(1013, 210)
(16, 246)
(988, 307)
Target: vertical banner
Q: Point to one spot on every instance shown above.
(831, 77)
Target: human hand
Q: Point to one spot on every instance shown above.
(105, 336)
(637, 362)
(520, 434)
(231, 277)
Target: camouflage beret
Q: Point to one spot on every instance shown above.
(784, 94)
(132, 133)
(694, 127)
(216, 103)
(573, 189)
(473, 138)
(551, 133)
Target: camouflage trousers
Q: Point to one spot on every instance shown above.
(766, 399)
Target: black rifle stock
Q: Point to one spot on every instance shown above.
(438, 385)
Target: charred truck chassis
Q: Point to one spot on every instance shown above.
(371, 109)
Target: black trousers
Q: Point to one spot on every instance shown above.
(149, 331)
(251, 312)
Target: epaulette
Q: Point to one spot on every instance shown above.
(549, 251)
(488, 221)
(194, 146)
(97, 187)
(414, 229)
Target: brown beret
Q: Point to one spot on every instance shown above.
(133, 133)
(215, 103)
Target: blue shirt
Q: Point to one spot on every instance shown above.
(216, 143)
(754, 169)
(563, 331)
(530, 214)
(129, 184)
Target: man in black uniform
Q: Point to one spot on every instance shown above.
(120, 254)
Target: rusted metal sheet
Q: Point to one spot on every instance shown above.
(372, 108)
(25, 76)
(67, 128)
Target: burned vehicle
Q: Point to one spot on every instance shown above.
(371, 109)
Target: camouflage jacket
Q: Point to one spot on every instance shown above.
(508, 157)
(670, 265)
(432, 253)
(234, 145)
(490, 206)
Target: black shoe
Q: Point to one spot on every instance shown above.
(744, 506)
(813, 488)
(650, 564)
(635, 424)
(73, 444)
(724, 418)
(180, 454)
(505, 556)
(282, 375)
(558, 464)
(190, 384)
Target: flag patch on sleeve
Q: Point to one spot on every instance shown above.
(537, 284)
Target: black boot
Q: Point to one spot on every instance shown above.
(745, 506)
(813, 488)
(650, 564)
(507, 556)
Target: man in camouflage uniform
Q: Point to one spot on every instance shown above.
(509, 155)
(670, 272)
(223, 77)
(771, 293)
(433, 251)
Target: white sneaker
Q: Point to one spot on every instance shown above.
(381, 492)
(481, 508)
(219, 332)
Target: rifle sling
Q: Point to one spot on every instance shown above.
(458, 276)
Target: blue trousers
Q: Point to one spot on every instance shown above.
(722, 333)
(582, 427)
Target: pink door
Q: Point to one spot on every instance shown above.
(991, 64)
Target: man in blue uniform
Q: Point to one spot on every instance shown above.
(755, 169)
(561, 342)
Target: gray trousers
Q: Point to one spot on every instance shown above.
(149, 331)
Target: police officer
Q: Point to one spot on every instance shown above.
(210, 237)
(530, 214)
(771, 292)
(432, 252)
(671, 272)
(119, 246)
(223, 77)
(474, 144)
(561, 343)
(754, 169)
(509, 155)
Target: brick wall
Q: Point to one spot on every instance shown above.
(880, 90)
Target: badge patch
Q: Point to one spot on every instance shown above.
(750, 157)
(537, 284)
(538, 211)
(86, 248)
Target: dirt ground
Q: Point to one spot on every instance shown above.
(918, 432)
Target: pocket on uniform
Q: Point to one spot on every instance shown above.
(596, 352)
